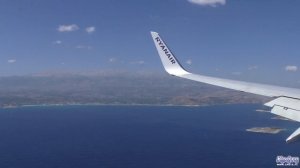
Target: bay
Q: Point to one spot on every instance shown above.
(141, 136)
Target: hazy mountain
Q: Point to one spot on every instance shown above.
(116, 88)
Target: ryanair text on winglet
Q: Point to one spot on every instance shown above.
(165, 49)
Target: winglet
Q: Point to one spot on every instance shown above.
(169, 61)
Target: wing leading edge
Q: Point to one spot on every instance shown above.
(286, 103)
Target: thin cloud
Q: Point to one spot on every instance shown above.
(111, 60)
(90, 30)
(84, 47)
(189, 62)
(236, 73)
(10, 61)
(212, 3)
(291, 68)
(254, 67)
(57, 42)
(67, 28)
(138, 62)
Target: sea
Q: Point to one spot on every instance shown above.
(94, 136)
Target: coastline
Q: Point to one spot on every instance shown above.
(100, 104)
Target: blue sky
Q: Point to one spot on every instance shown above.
(249, 40)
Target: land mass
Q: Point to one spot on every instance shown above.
(263, 111)
(266, 130)
(280, 118)
(114, 89)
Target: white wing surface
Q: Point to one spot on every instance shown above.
(286, 101)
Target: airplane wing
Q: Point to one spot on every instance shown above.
(286, 101)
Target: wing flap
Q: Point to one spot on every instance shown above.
(285, 102)
(286, 112)
(286, 107)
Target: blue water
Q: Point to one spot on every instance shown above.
(140, 136)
